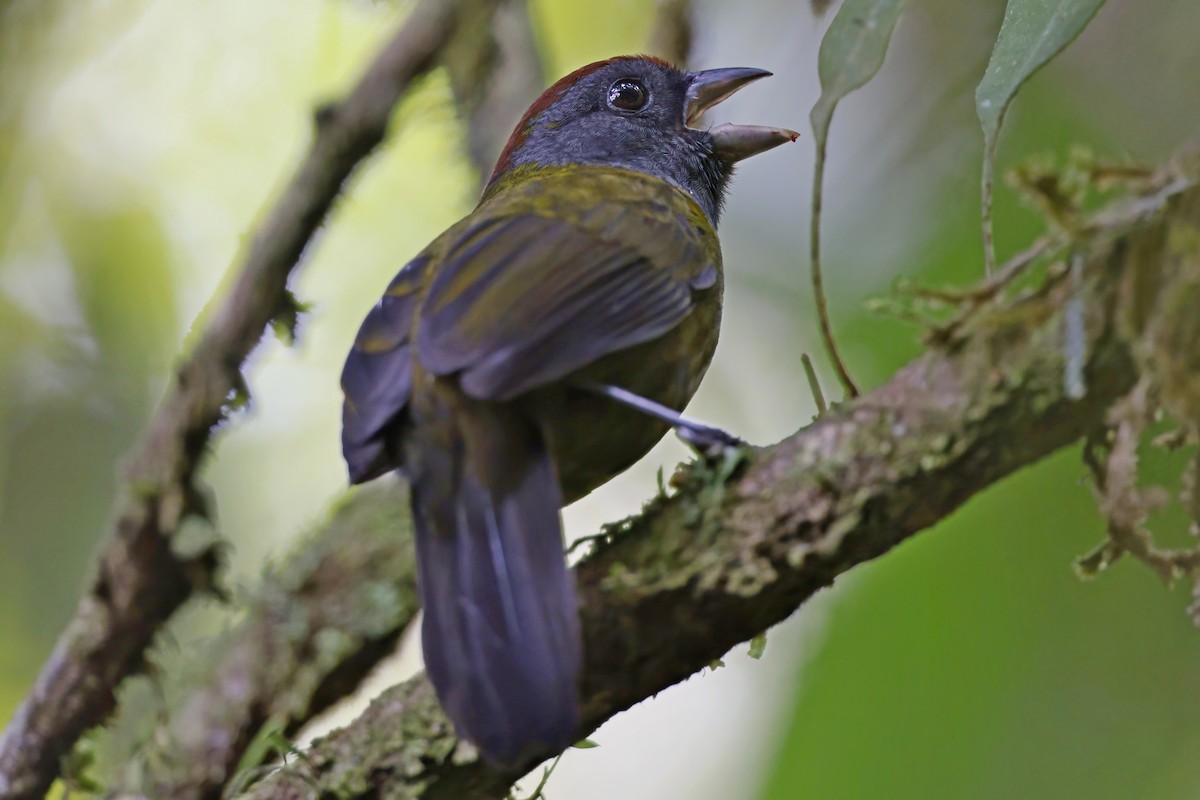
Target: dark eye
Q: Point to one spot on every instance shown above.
(628, 95)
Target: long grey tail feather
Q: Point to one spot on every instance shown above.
(501, 631)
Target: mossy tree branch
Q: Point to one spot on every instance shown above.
(315, 627)
(721, 560)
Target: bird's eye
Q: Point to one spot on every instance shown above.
(628, 95)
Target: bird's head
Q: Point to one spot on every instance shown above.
(640, 113)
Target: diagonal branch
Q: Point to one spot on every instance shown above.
(318, 624)
(495, 70)
(140, 581)
(719, 561)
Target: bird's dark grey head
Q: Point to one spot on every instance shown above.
(637, 112)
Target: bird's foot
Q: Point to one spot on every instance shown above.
(722, 454)
(710, 443)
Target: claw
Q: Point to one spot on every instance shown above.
(710, 443)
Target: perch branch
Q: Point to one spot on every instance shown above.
(719, 561)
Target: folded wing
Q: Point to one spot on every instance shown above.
(522, 301)
(377, 377)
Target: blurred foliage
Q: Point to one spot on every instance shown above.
(139, 140)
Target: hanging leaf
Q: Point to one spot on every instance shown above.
(1033, 32)
(851, 53)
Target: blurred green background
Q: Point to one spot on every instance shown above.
(139, 140)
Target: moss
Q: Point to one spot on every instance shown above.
(383, 603)
(401, 734)
(750, 580)
(1183, 240)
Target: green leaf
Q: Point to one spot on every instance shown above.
(585, 744)
(266, 743)
(1033, 32)
(851, 53)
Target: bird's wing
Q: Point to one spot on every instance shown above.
(521, 301)
(377, 378)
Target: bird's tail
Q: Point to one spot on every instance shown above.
(501, 632)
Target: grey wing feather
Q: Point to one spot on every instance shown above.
(526, 300)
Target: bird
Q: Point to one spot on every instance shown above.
(531, 352)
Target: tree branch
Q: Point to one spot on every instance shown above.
(719, 561)
(496, 71)
(674, 31)
(140, 581)
(313, 631)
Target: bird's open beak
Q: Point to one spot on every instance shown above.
(731, 142)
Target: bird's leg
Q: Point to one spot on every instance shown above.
(706, 440)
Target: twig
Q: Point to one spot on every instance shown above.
(993, 284)
(1123, 502)
(674, 31)
(985, 209)
(971, 298)
(818, 282)
(140, 582)
(495, 71)
(814, 385)
(537, 793)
